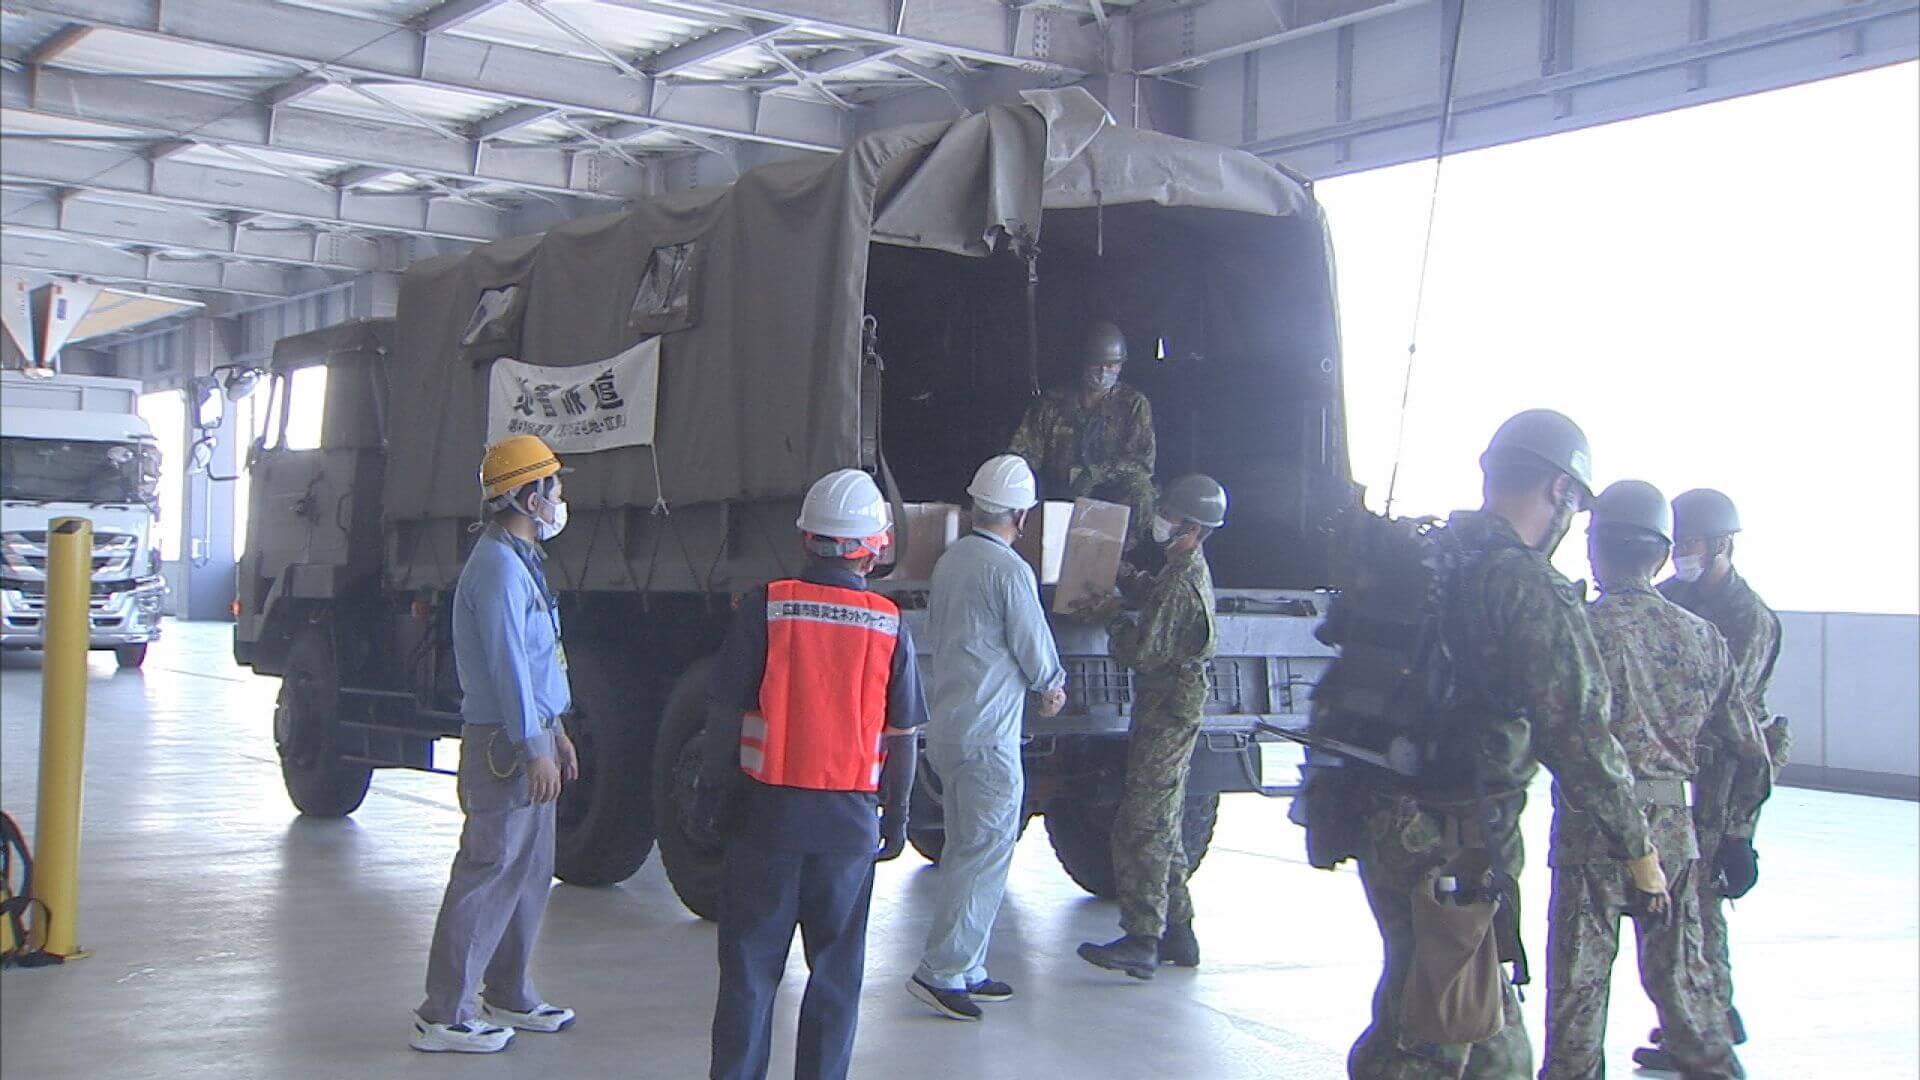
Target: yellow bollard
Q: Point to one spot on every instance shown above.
(63, 732)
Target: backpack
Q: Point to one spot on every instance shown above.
(1397, 703)
(1380, 702)
(16, 947)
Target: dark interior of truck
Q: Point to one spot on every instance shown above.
(1231, 335)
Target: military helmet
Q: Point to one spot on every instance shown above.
(1103, 346)
(1546, 436)
(1703, 512)
(1634, 505)
(1195, 498)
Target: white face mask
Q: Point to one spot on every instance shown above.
(1690, 567)
(549, 527)
(1162, 529)
(1102, 379)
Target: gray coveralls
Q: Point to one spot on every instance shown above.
(513, 682)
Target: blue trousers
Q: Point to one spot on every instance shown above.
(765, 895)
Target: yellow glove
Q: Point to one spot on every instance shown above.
(1647, 875)
(1651, 883)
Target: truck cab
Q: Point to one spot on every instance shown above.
(74, 446)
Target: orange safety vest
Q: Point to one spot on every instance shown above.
(823, 699)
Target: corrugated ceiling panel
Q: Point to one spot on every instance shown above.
(121, 51)
(446, 106)
(627, 32)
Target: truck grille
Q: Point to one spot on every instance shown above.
(1098, 684)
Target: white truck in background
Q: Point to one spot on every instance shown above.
(75, 446)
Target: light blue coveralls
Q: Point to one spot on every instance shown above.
(513, 686)
(991, 645)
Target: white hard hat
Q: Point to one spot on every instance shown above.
(1004, 483)
(844, 504)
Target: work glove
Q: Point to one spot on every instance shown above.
(896, 793)
(1650, 888)
(1737, 866)
(1095, 609)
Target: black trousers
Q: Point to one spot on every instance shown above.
(766, 894)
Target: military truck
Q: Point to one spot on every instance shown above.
(701, 358)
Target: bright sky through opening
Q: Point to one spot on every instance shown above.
(1724, 296)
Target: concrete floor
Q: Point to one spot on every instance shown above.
(233, 939)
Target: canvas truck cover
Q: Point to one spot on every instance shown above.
(756, 290)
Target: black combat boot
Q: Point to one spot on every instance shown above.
(1137, 956)
(1179, 947)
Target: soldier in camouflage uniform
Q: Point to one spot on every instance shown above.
(1673, 688)
(1535, 693)
(1168, 648)
(1706, 584)
(1094, 439)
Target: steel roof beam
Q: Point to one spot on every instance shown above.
(988, 31)
(364, 48)
(1179, 39)
(222, 121)
(57, 43)
(204, 187)
(510, 120)
(159, 227)
(54, 256)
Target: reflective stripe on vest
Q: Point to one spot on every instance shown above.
(823, 699)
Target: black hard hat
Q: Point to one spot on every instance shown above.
(1195, 498)
(1547, 436)
(1103, 345)
(1635, 505)
(1703, 512)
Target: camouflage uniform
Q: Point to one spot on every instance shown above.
(1104, 452)
(1752, 631)
(1167, 648)
(1673, 687)
(1538, 695)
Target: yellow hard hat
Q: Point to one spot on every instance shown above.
(514, 462)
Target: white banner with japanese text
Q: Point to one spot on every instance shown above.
(577, 410)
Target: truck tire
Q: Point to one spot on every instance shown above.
(693, 869)
(1081, 832)
(130, 656)
(318, 781)
(604, 820)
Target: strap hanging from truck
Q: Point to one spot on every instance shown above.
(1454, 11)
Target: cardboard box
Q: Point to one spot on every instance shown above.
(1090, 564)
(1044, 543)
(930, 528)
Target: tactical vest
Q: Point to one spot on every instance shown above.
(823, 698)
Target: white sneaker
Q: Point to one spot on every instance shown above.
(542, 1017)
(466, 1037)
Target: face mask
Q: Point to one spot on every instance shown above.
(548, 529)
(1162, 530)
(1689, 567)
(1102, 379)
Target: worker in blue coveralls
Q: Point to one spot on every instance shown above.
(514, 755)
(991, 647)
(812, 706)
